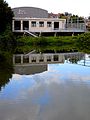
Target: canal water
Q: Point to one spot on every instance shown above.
(47, 91)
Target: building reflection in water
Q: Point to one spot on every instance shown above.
(66, 88)
(30, 69)
(37, 63)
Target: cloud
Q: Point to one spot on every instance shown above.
(16, 77)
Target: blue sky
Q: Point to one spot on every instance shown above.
(79, 7)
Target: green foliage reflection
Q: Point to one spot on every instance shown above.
(6, 69)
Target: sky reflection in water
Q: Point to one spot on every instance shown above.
(61, 93)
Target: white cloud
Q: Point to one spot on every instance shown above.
(16, 77)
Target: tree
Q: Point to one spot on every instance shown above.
(7, 41)
(6, 68)
(83, 42)
(76, 18)
(6, 16)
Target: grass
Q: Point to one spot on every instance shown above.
(63, 44)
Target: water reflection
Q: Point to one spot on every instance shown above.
(22, 59)
(61, 92)
(29, 69)
(83, 59)
(37, 63)
(6, 71)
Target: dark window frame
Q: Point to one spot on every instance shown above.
(33, 23)
(41, 24)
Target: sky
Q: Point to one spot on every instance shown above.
(77, 7)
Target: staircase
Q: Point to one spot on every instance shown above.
(30, 33)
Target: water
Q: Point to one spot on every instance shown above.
(54, 91)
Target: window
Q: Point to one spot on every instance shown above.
(41, 59)
(33, 59)
(56, 58)
(25, 25)
(25, 59)
(33, 23)
(49, 24)
(48, 58)
(17, 25)
(41, 24)
(17, 59)
(56, 25)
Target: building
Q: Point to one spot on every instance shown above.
(88, 24)
(36, 20)
(30, 69)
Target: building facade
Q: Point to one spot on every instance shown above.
(38, 24)
(37, 20)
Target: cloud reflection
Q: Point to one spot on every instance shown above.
(61, 93)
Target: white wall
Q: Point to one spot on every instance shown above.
(62, 23)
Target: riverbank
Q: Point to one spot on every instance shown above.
(79, 43)
(42, 44)
(59, 44)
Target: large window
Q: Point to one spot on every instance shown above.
(56, 25)
(41, 24)
(17, 25)
(33, 24)
(25, 25)
(49, 24)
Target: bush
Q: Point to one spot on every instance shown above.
(83, 42)
(7, 41)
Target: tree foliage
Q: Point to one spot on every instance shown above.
(83, 42)
(6, 15)
(6, 68)
(7, 41)
(75, 19)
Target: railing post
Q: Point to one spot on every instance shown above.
(37, 58)
(22, 59)
(29, 58)
(51, 58)
(13, 59)
(13, 25)
(21, 25)
(45, 58)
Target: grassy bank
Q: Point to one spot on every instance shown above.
(57, 44)
(62, 44)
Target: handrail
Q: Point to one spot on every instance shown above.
(32, 34)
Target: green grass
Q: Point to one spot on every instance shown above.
(63, 44)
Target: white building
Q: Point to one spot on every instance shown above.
(36, 20)
(38, 24)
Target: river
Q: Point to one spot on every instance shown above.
(47, 90)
